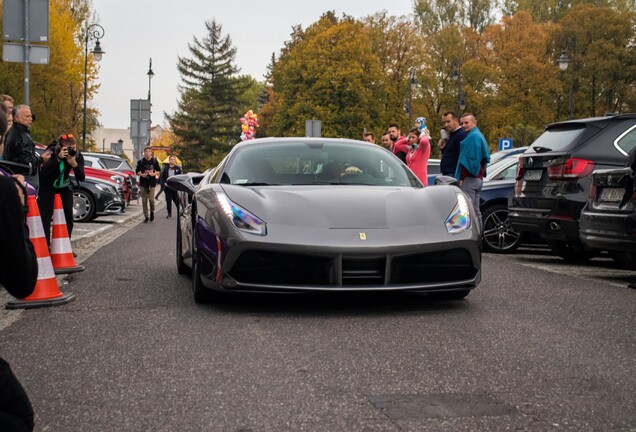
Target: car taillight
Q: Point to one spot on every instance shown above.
(571, 169)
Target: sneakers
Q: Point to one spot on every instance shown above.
(152, 217)
(146, 219)
(168, 216)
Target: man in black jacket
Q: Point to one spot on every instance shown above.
(19, 146)
(450, 145)
(18, 275)
(148, 170)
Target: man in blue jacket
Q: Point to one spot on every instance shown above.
(474, 156)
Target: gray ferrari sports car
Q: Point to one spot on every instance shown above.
(318, 214)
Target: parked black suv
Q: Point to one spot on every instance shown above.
(555, 173)
(608, 221)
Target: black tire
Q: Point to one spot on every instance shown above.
(83, 206)
(572, 252)
(625, 260)
(182, 268)
(200, 292)
(498, 235)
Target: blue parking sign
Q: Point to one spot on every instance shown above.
(505, 143)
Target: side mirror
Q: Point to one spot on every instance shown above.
(185, 182)
(446, 181)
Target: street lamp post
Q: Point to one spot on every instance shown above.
(461, 103)
(412, 83)
(150, 74)
(93, 31)
(564, 61)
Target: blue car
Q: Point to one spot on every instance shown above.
(498, 236)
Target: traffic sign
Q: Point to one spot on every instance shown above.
(505, 143)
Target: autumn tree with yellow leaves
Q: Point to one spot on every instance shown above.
(57, 88)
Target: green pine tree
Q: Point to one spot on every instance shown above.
(211, 99)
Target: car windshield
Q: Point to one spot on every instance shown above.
(503, 169)
(316, 163)
(557, 138)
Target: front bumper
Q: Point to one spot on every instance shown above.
(430, 268)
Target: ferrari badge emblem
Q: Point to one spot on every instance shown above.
(363, 236)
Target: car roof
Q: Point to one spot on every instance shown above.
(600, 119)
(102, 155)
(273, 140)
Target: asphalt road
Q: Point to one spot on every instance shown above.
(538, 346)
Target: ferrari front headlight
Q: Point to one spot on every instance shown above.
(241, 218)
(459, 219)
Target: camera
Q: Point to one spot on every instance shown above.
(72, 151)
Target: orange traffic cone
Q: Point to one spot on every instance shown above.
(46, 292)
(61, 251)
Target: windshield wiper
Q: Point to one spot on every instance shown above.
(540, 149)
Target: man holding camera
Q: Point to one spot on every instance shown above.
(54, 179)
(19, 146)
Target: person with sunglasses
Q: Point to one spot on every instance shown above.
(54, 179)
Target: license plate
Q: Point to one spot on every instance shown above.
(612, 194)
(533, 175)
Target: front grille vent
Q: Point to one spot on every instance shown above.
(363, 271)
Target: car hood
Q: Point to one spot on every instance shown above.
(346, 207)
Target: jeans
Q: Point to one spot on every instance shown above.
(148, 196)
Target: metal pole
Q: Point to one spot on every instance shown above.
(27, 49)
(150, 75)
(571, 103)
(85, 88)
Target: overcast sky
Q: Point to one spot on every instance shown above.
(137, 30)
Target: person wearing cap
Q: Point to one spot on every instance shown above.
(55, 179)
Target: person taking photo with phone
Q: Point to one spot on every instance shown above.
(55, 179)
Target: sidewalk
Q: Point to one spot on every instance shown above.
(87, 239)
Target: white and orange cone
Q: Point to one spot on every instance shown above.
(46, 292)
(61, 251)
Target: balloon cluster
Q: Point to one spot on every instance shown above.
(249, 123)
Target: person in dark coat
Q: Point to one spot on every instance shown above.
(54, 179)
(171, 195)
(450, 145)
(18, 275)
(19, 146)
